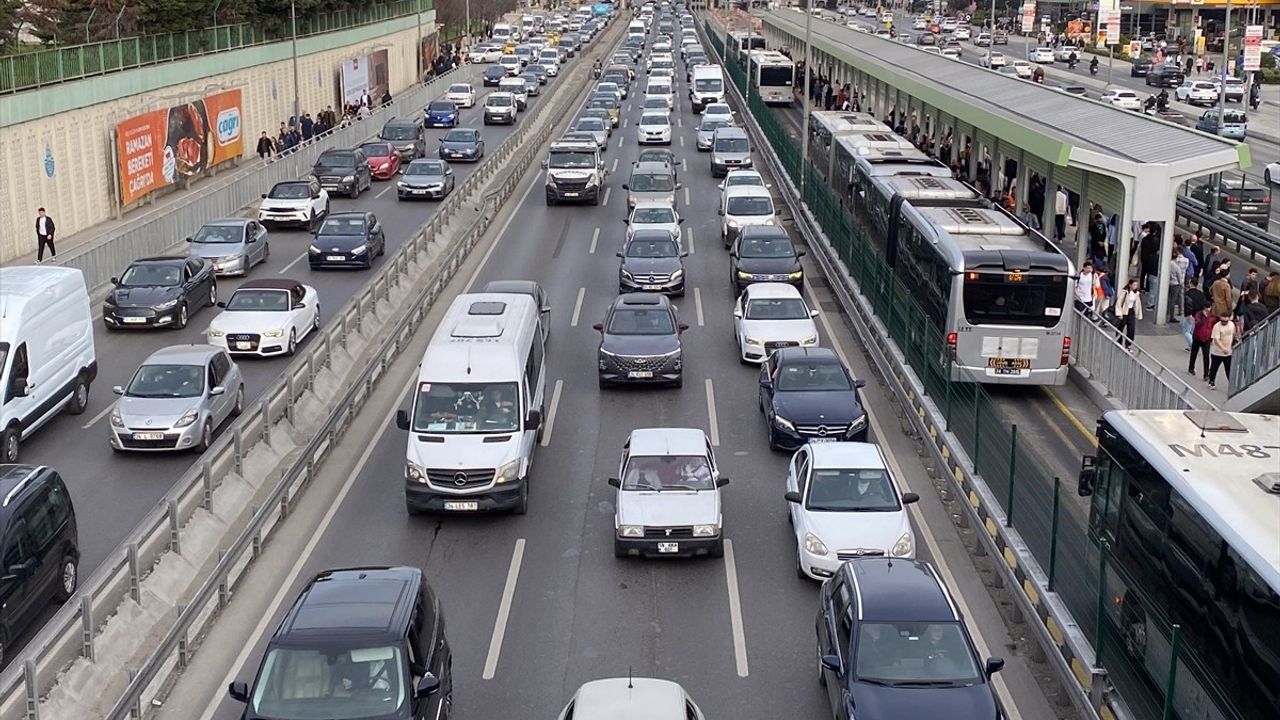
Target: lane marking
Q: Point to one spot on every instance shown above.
(99, 416)
(697, 305)
(686, 197)
(714, 424)
(504, 611)
(614, 168)
(679, 121)
(577, 307)
(502, 232)
(384, 192)
(684, 165)
(293, 262)
(624, 124)
(551, 414)
(689, 234)
(607, 192)
(1075, 422)
(595, 237)
(735, 608)
(619, 141)
(681, 141)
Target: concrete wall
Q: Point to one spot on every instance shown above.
(55, 142)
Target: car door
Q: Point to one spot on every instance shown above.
(376, 234)
(739, 315)
(833, 639)
(16, 575)
(797, 481)
(768, 369)
(219, 405)
(319, 199)
(259, 246)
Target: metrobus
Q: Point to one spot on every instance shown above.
(826, 126)
(742, 42)
(773, 76)
(1186, 507)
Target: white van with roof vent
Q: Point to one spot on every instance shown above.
(477, 408)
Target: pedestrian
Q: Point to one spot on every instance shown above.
(1086, 286)
(1221, 295)
(266, 148)
(366, 100)
(1029, 218)
(1129, 311)
(1105, 293)
(282, 138)
(1189, 64)
(44, 236)
(1271, 292)
(1211, 264)
(1177, 281)
(1201, 337)
(386, 96)
(308, 127)
(1149, 246)
(1193, 301)
(1253, 312)
(1097, 234)
(1193, 267)
(1196, 246)
(1222, 342)
(1060, 214)
(1199, 63)
(1252, 284)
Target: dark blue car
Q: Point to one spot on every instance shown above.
(441, 113)
(808, 395)
(493, 75)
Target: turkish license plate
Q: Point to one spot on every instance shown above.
(134, 320)
(652, 287)
(148, 436)
(462, 505)
(668, 547)
(1009, 363)
(244, 345)
(822, 439)
(571, 194)
(334, 258)
(640, 374)
(1248, 208)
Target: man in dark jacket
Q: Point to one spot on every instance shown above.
(44, 235)
(1253, 312)
(1210, 266)
(266, 148)
(308, 127)
(1150, 249)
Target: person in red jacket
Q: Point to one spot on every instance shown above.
(1201, 336)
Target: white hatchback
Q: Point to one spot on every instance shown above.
(654, 128)
(771, 315)
(462, 95)
(1121, 98)
(718, 110)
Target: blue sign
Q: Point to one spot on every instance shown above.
(48, 160)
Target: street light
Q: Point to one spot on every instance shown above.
(293, 22)
(808, 73)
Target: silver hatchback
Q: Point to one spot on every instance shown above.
(233, 245)
(176, 399)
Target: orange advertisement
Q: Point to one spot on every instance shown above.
(161, 147)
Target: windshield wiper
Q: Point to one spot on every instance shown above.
(928, 683)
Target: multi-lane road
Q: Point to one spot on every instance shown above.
(537, 604)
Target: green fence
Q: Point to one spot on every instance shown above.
(47, 67)
(1051, 521)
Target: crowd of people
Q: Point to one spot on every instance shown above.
(297, 132)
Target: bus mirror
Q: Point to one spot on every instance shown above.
(1088, 473)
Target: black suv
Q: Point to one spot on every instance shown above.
(406, 136)
(41, 551)
(764, 253)
(1141, 66)
(652, 262)
(1166, 74)
(343, 171)
(640, 342)
(358, 642)
(892, 644)
(806, 394)
(347, 239)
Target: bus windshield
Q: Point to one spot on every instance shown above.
(776, 76)
(1014, 299)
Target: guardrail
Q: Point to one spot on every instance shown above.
(1220, 228)
(1131, 375)
(1257, 355)
(73, 632)
(26, 70)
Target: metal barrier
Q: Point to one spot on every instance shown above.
(1257, 355)
(1131, 375)
(1220, 228)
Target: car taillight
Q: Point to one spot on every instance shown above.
(1066, 351)
(951, 345)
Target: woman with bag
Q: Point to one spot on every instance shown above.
(1129, 311)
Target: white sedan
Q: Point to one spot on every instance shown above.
(266, 317)
(654, 127)
(1042, 55)
(462, 95)
(993, 60)
(771, 315)
(1271, 173)
(1121, 98)
(1062, 53)
(844, 504)
(1197, 92)
(1022, 69)
(963, 33)
(735, 178)
(718, 110)
(485, 54)
(655, 216)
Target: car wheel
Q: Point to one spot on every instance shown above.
(717, 550)
(293, 343)
(382, 247)
(239, 406)
(822, 675)
(604, 384)
(311, 222)
(79, 396)
(266, 251)
(68, 579)
(315, 321)
(182, 317)
(355, 190)
(679, 382)
(522, 506)
(206, 437)
(213, 294)
(9, 444)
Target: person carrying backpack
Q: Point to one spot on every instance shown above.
(1201, 336)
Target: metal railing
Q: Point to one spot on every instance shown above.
(1221, 228)
(1257, 355)
(1131, 375)
(38, 68)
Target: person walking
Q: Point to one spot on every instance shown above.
(1271, 292)
(1199, 63)
(1193, 301)
(308, 127)
(1149, 247)
(1105, 293)
(1221, 295)
(1060, 214)
(1129, 311)
(266, 148)
(1252, 313)
(1222, 342)
(1252, 285)
(1210, 266)
(1177, 281)
(1086, 287)
(44, 235)
(1201, 336)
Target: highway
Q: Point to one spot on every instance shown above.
(536, 605)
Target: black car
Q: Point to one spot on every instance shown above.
(462, 144)
(1166, 74)
(1141, 66)
(764, 253)
(807, 395)
(1246, 200)
(652, 262)
(431, 179)
(160, 292)
(406, 135)
(539, 71)
(343, 171)
(347, 239)
(41, 548)
(892, 644)
(640, 342)
(358, 642)
(493, 75)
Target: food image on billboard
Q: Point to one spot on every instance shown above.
(365, 73)
(161, 147)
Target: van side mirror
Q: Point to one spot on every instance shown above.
(831, 662)
(813, 314)
(116, 280)
(766, 383)
(618, 254)
(533, 420)
(792, 496)
(994, 665)
(1088, 475)
(801, 253)
(402, 419)
(239, 690)
(544, 164)
(908, 498)
(615, 482)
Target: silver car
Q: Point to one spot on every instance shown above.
(176, 400)
(232, 245)
(707, 128)
(598, 129)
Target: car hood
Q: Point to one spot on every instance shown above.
(421, 180)
(669, 507)
(640, 344)
(458, 145)
(495, 72)
(722, 155)
(815, 407)
(144, 296)
(292, 203)
(339, 242)
(154, 412)
(767, 266)
(852, 530)
(780, 330)
(462, 451)
(441, 113)
(962, 703)
(248, 321)
(379, 159)
(646, 266)
(319, 169)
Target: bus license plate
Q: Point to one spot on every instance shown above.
(470, 505)
(668, 547)
(1009, 363)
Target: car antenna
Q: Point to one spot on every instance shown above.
(468, 359)
(629, 685)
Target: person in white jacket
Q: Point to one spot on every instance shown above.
(1129, 311)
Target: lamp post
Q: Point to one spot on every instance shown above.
(1226, 65)
(293, 23)
(808, 94)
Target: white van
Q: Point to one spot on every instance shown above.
(503, 32)
(707, 86)
(661, 87)
(477, 408)
(528, 25)
(636, 28)
(47, 359)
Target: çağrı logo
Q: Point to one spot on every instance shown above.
(228, 126)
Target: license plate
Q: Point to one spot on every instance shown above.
(571, 194)
(1009, 363)
(1007, 371)
(134, 320)
(652, 287)
(244, 345)
(148, 436)
(822, 439)
(1248, 208)
(668, 547)
(640, 374)
(468, 505)
(334, 258)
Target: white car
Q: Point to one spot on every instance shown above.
(884, 33)
(654, 128)
(266, 317)
(963, 32)
(649, 215)
(668, 500)
(1121, 98)
(1197, 92)
(843, 504)
(462, 95)
(718, 110)
(1042, 55)
(734, 178)
(1271, 173)
(660, 90)
(771, 315)
(295, 202)
(993, 60)
(949, 52)
(485, 54)
(1062, 53)
(1022, 69)
(551, 62)
(950, 24)
(743, 206)
(499, 107)
(512, 64)
(919, 24)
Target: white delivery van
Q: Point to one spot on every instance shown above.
(47, 359)
(477, 408)
(707, 86)
(661, 87)
(502, 33)
(528, 25)
(636, 28)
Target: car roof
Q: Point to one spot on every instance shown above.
(371, 603)
(846, 454)
(746, 191)
(516, 287)
(400, 122)
(349, 214)
(15, 479)
(757, 291)
(233, 221)
(651, 166)
(764, 231)
(636, 300)
(667, 441)
(649, 234)
(897, 590)
(732, 131)
(807, 355)
(194, 354)
(161, 260)
(654, 204)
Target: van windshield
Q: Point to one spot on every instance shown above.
(307, 684)
(466, 408)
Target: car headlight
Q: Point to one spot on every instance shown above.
(783, 423)
(631, 531)
(706, 530)
(273, 333)
(401, 184)
(734, 224)
(858, 424)
(752, 340)
(116, 420)
(677, 274)
(795, 275)
(415, 473)
(809, 340)
(904, 547)
(384, 166)
(510, 472)
(626, 273)
(744, 275)
(187, 418)
(813, 545)
(359, 249)
(215, 332)
(313, 250)
(167, 304)
(349, 178)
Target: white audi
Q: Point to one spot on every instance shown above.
(462, 95)
(266, 317)
(771, 315)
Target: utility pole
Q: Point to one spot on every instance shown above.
(293, 22)
(808, 73)
(1226, 66)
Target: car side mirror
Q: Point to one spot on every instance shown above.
(624, 186)
(813, 314)
(684, 254)
(264, 197)
(679, 185)
(615, 482)
(679, 221)
(720, 212)
(216, 391)
(533, 420)
(253, 239)
(733, 254)
(737, 313)
(222, 304)
(448, 171)
(859, 384)
(994, 665)
(908, 498)
(722, 481)
(239, 690)
(117, 389)
(116, 280)
(792, 496)
(766, 383)
(801, 253)
(402, 419)
(683, 327)
(544, 164)
(618, 253)
(429, 685)
(598, 327)
(300, 305)
(831, 662)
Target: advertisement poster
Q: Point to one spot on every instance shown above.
(1028, 17)
(1253, 48)
(365, 73)
(161, 147)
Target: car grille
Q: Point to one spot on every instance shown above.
(571, 183)
(331, 179)
(823, 430)
(771, 346)
(135, 312)
(856, 553)
(235, 338)
(281, 209)
(652, 363)
(168, 443)
(465, 479)
(655, 279)
(659, 533)
(770, 278)
(730, 161)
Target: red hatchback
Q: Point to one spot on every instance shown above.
(384, 161)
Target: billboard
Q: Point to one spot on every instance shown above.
(361, 74)
(1253, 48)
(162, 147)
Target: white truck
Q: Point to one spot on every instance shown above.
(575, 172)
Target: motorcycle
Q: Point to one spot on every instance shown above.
(1093, 67)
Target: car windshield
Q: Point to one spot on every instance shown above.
(651, 155)
(499, 101)
(441, 106)
(919, 654)
(337, 160)
(637, 321)
(466, 408)
(777, 309)
(708, 84)
(589, 125)
(712, 124)
(654, 102)
(667, 472)
(766, 247)
(735, 179)
(299, 683)
(282, 191)
(376, 149)
(750, 206)
(399, 132)
(257, 300)
(461, 88)
(167, 381)
(802, 377)
(460, 136)
(152, 275)
(230, 233)
(571, 159)
(655, 120)
(661, 215)
(425, 167)
(658, 89)
(738, 145)
(652, 182)
(343, 225)
(652, 248)
(851, 490)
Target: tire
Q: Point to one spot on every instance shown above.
(822, 676)
(238, 408)
(382, 247)
(717, 550)
(182, 317)
(522, 507)
(315, 322)
(206, 437)
(213, 294)
(266, 251)
(68, 579)
(800, 574)
(10, 440)
(311, 222)
(604, 384)
(679, 382)
(550, 201)
(355, 191)
(412, 511)
(293, 343)
(79, 396)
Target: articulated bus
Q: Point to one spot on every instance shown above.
(742, 42)
(1186, 506)
(827, 126)
(772, 75)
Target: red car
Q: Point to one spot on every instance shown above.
(384, 161)
(935, 28)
